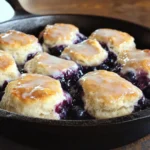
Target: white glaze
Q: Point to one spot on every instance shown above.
(87, 53)
(46, 64)
(29, 85)
(110, 35)
(60, 34)
(16, 37)
(112, 84)
(136, 61)
(8, 68)
(117, 41)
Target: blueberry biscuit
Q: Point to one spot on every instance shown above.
(36, 96)
(107, 95)
(136, 69)
(8, 69)
(20, 45)
(67, 71)
(115, 42)
(56, 37)
(89, 55)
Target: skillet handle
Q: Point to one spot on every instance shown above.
(17, 7)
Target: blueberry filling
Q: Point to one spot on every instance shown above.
(77, 93)
(63, 107)
(30, 56)
(77, 110)
(41, 40)
(1, 94)
(57, 50)
(146, 92)
(105, 65)
(78, 113)
(80, 38)
(130, 76)
(142, 104)
(69, 78)
(112, 59)
(117, 68)
(104, 45)
(140, 79)
(2, 89)
(21, 66)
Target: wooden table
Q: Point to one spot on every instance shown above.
(142, 144)
(137, 11)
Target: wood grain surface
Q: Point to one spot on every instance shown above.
(142, 144)
(137, 11)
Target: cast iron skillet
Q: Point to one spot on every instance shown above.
(71, 134)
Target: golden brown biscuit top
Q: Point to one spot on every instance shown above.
(115, 37)
(88, 52)
(138, 60)
(60, 32)
(33, 87)
(6, 60)
(108, 87)
(54, 64)
(16, 39)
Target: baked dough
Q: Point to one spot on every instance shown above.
(107, 95)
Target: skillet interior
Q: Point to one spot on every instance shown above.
(87, 24)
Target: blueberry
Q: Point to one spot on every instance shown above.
(62, 109)
(80, 38)
(77, 93)
(142, 104)
(41, 40)
(117, 68)
(2, 88)
(70, 78)
(104, 45)
(4, 85)
(104, 66)
(146, 92)
(23, 71)
(79, 74)
(78, 113)
(57, 50)
(112, 58)
(1, 95)
(130, 76)
(30, 56)
(142, 82)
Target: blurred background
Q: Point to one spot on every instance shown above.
(137, 11)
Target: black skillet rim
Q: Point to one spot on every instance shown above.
(119, 120)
